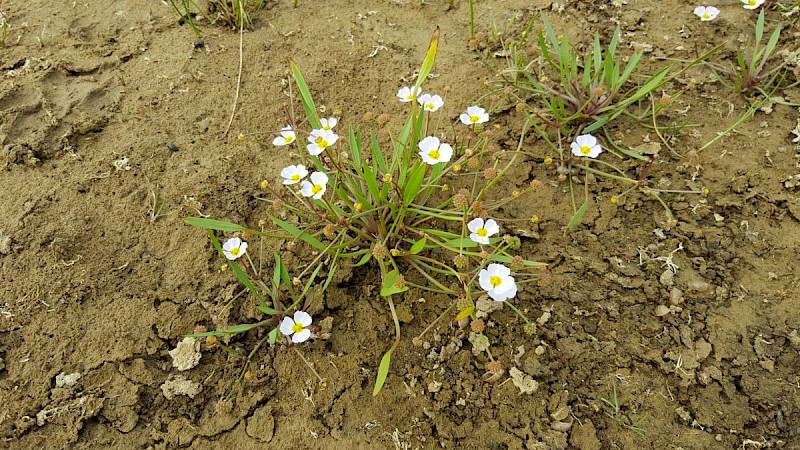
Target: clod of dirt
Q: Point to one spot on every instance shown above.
(5, 245)
(187, 354)
(179, 385)
(67, 380)
(524, 382)
(484, 307)
(261, 425)
(480, 343)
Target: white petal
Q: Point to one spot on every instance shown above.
(499, 269)
(302, 318)
(475, 224)
(301, 336)
(279, 141)
(429, 143)
(480, 240)
(306, 189)
(286, 326)
(586, 140)
(319, 178)
(483, 280)
(465, 119)
(445, 152)
(491, 227)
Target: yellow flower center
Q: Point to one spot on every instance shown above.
(429, 106)
(706, 16)
(297, 327)
(326, 127)
(482, 232)
(235, 251)
(316, 189)
(321, 143)
(751, 3)
(495, 281)
(296, 177)
(585, 150)
(288, 139)
(409, 97)
(434, 155)
(474, 119)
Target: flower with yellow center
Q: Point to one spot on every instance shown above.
(408, 94)
(430, 102)
(297, 326)
(706, 13)
(320, 140)
(329, 123)
(481, 230)
(287, 136)
(474, 116)
(497, 281)
(316, 187)
(752, 4)
(293, 174)
(234, 248)
(433, 152)
(586, 145)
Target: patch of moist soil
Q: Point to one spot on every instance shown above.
(694, 326)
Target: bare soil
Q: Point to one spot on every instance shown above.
(91, 93)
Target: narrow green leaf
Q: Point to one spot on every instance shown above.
(355, 147)
(305, 96)
(267, 310)
(430, 57)
(383, 372)
(236, 329)
(296, 232)
(418, 246)
(273, 336)
(576, 219)
(211, 224)
(364, 259)
(412, 187)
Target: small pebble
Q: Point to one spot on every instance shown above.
(199, 43)
(662, 310)
(172, 147)
(675, 297)
(699, 286)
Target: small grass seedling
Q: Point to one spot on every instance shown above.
(4, 26)
(751, 73)
(158, 208)
(622, 419)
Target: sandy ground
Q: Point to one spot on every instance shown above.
(96, 290)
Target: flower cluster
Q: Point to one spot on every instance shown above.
(706, 13)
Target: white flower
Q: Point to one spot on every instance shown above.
(320, 140)
(407, 94)
(752, 4)
(706, 13)
(586, 145)
(297, 327)
(432, 152)
(293, 174)
(316, 188)
(234, 248)
(482, 230)
(287, 136)
(329, 123)
(430, 102)
(497, 281)
(474, 115)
